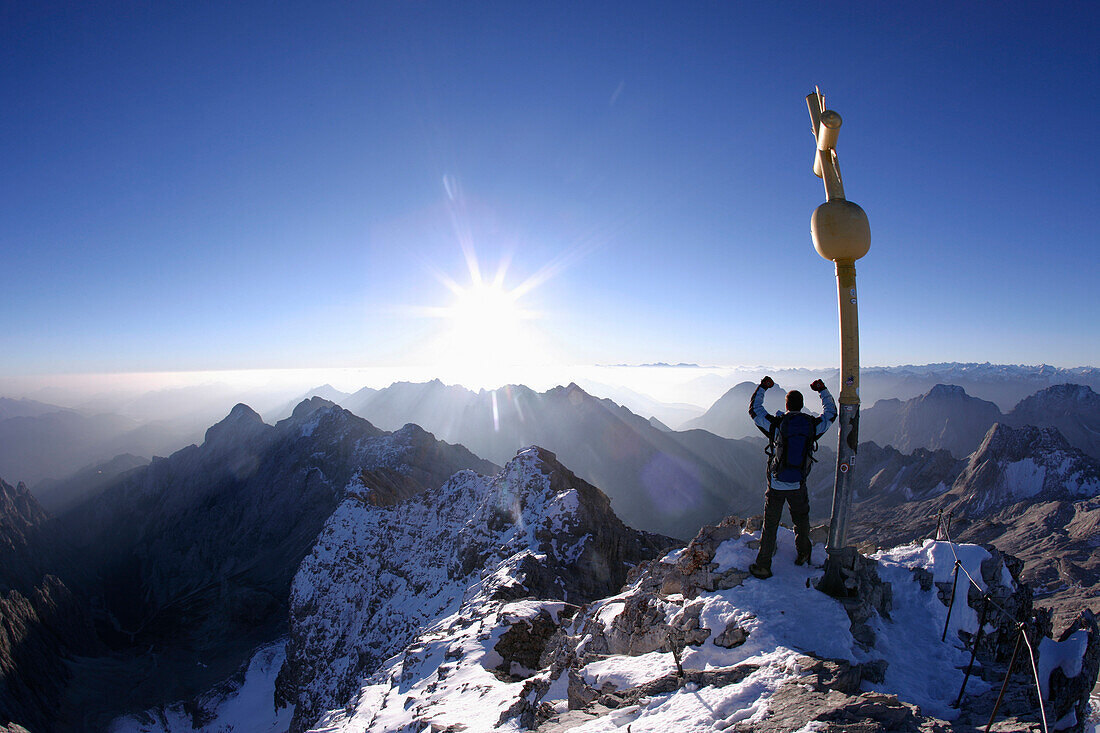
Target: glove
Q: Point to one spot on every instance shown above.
(767, 383)
(817, 385)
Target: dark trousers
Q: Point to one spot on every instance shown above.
(799, 502)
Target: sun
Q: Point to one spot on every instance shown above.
(485, 310)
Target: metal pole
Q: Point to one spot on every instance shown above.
(974, 650)
(951, 606)
(842, 235)
(1004, 685)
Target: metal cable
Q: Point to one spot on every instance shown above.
(1023, 632)
(1038, 687)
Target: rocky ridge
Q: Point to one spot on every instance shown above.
(457, 557)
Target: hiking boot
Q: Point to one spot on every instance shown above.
(760, 571)
(802, 559)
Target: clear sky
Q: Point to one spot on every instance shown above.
(196, 186)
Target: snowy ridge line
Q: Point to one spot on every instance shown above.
(1021, 631)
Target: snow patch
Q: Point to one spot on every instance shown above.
(1064, 655)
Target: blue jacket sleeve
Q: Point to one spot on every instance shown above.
(828, 414)
(757, 412)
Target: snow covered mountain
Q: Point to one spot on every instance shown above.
(671, 483)
(1072, 408)
(192, 556)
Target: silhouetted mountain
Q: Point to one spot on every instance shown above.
(729, 416)
(25, 408)
(672, 414)
(193, 554)
(325, 391)
(56, 444)
(57, 496)
(659, 481)
(944, 418)
(1072, 408)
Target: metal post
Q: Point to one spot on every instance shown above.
(951, 606)
(1008, 674)
(842, 235)
(974, 650)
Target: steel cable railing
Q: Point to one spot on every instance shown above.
(988, 601)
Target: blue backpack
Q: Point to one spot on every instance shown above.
(793, 442)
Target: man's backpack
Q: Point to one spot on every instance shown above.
(793, 442)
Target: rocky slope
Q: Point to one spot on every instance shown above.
(477, 542)
(192, 556)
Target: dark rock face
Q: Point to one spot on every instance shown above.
(41, 621)
(1073, 409)
(385, 568)
(193, 554)
(945, 418)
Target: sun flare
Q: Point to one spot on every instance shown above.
(485, 310)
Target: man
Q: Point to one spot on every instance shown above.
(792, 438)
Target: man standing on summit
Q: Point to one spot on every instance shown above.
(792, 439)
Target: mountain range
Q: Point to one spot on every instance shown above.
(185, 565)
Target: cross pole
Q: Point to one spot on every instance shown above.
(842, 235)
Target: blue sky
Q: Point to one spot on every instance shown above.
(195, 186)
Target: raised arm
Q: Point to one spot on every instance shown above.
(757, 412)
(828, 407)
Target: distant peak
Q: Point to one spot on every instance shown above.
(1067, 391)
(946, 390)
(242, 420)
(242, 412)
(309, 406)
(1002, 440)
